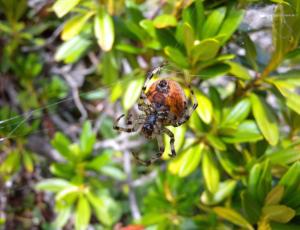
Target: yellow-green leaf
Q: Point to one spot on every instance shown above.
(104, 30)
(226, 188)
(265, 119)
(250, 51)
(216, 142)
(83, 214)
(238, 113)
(279, 213)
(213, 22)
(176, 56)
(70, 51)
(191, 160)
(211, 173)
(275, 195)
(238, 70)
(28, 162)
(205, 50)
(233, 217)
(205, 107)
(164, 20)
(188, 37)
(62, 7)
(132, 93)
(74, 25)
(231, 23)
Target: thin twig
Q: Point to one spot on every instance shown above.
(135, 212)
(76, 97)
(144, 179)
(48, 41)
(66, 73)
(120, 143)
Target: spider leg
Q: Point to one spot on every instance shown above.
(139, 160)
(128, 122)
(172, 140)
(153, 72)
(188, 112)
(143, 103)
(154, 158)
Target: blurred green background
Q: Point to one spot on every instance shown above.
(70, 67)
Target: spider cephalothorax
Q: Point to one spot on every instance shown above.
(164, 104)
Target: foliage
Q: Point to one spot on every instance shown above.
(69, 67)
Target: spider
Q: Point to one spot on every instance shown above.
(164, 104)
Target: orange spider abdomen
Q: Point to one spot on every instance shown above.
(167, 95)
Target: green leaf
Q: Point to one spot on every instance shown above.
(99, 161)
(238, 71)
(69, 193)
(290, 181)
(129, 48)
(104, 30)
(228, 162)
(251, 207)
(200, 17)
(83, 214)
(62, 7)
(253, 180)
(53, 185)
(196, 123)
(164, 21)
(187, 161)
(61, 143)
(213, 22)
(132, 93)
(287, 86)
(265, 119)
(260, 181)
(211, 173)
(216, 100)
(230, 24)
(205, 108)
(238, 113)
(28, 161)
(11, 164)
(283, 156)
(188, 37)
(280, 1)
(250, 51)
(72, 50)
(87, 139)
(278, 226)
(74, 25)
(188, 16)
(274, 196)
(205, 50)
(148, 25)
(247, 131)
(106, 209)
(113, 172)
(233, 217)
(278, 213)
(293, 102)
(62, 217)
(176, 56)
(216, 70)
(64, 170)
(226, 189)
(109, 68)
(215, 142)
